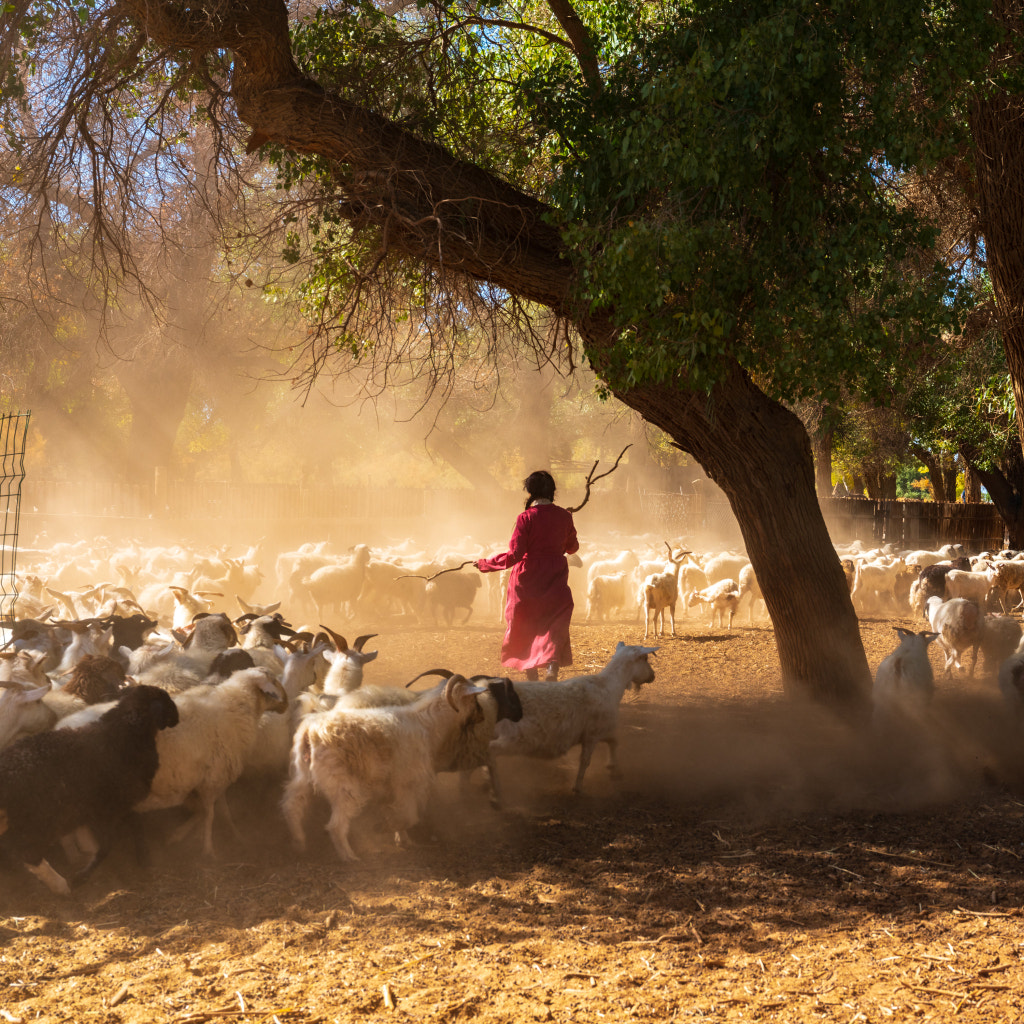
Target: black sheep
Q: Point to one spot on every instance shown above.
(89, 779)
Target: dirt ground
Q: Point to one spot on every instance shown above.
(759, 861)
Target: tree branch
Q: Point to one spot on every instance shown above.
(582, 42)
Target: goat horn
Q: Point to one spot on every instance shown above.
(340, 643)
(360, 640)
(442, 672)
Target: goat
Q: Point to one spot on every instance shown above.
(207, 752)
(904, 681)
(960, 626)
(583, 711)
(338, 585)
(353, 757)
(720, 597)
(659, 593)
(84, 781)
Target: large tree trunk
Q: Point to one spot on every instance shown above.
(760, 455)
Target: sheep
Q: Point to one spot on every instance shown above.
(921, 559)
(206, 753)
(583, 711)
(960, 626)
(720, 597)
(622, 564)
(352, 757)
(904, 681)
(931, 582)
(691, 578)
(83, 781)
(724, 566)
(850, 572)
(606, 594)
(338, 585)
(95, 679)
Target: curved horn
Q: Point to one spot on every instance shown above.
(340, 643)
(360, 640)
(442, 672)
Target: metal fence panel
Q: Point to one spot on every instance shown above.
(13, 434)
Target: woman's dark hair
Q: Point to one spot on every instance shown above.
(540, 484)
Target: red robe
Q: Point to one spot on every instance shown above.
(539, 605)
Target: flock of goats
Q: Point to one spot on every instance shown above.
(144, 694)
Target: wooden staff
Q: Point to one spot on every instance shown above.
(591, 479)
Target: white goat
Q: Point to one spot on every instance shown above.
(386, 754)
(608, 593)
(659, 593)
(582, 711)
(339, 586)
(904, 681)
(749, 585)
(973, 586)
(719, 597)
(960, 625)
(207, 750)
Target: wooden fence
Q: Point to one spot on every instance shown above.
(914, 524)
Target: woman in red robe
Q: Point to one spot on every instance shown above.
(539, 606)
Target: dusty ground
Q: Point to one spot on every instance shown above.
(759, 862)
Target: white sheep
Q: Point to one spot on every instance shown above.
(582, 711)
(904, 681)
(960, 625)
(355, 757)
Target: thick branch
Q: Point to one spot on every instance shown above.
(582, 42)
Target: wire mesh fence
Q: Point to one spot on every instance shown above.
(13, 435)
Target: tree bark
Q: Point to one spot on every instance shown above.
(822, 442)
(931, 463)
(972, 485)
